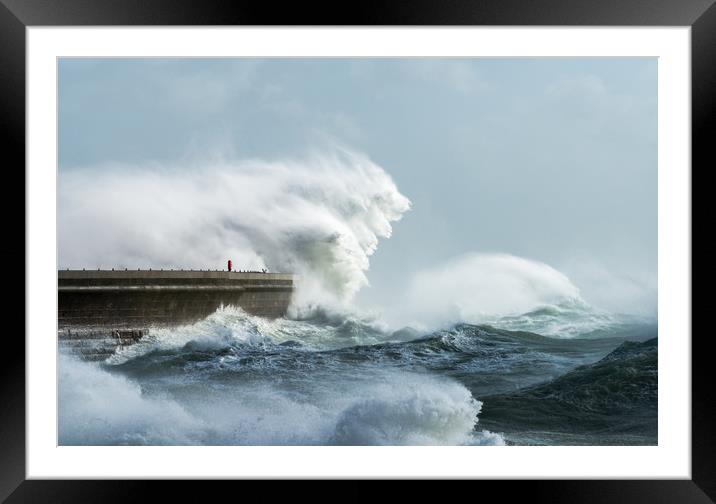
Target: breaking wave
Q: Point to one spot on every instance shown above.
(231, 326)
(480, 288)
(383, 408)
(319, 217)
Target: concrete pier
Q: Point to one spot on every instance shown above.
(117, 307)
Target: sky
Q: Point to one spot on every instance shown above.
(549, 159)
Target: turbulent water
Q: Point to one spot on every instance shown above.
(237, 379)
(506, 350)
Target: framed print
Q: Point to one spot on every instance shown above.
(386, 250)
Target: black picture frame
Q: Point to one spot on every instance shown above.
(16, 15)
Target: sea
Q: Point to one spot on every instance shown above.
(562, 374)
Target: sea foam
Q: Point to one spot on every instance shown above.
(386, 407)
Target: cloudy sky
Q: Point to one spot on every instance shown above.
(551, 159)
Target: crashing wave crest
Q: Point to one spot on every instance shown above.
(385, 408)
(480, 287)
(320, 218)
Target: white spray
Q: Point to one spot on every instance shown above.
(479, 288)
(320, 218)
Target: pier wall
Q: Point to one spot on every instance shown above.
(104, 306)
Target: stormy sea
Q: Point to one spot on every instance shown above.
(235, 379)
(482, 349)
